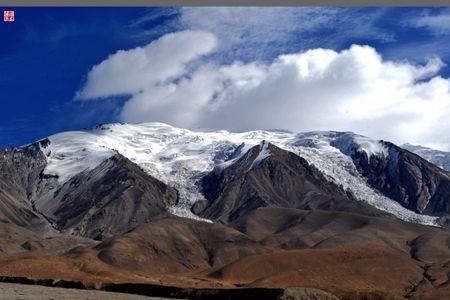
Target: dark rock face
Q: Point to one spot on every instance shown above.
(20, 170)
(407, 178)
(282, 179)
(111, 199)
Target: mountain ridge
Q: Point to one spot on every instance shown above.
(155, 204)
(180, 157)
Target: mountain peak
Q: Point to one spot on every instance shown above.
(180, 157)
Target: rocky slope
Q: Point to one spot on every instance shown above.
(407, 178)
(111, 199)
(20, 170)
(269, 209)
(174, 244)
(269, 176)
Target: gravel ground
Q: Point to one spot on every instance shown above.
(11, 291)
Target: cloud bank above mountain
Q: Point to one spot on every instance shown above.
(172, 80)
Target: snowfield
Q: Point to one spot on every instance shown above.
(437, 157)
(180, 157)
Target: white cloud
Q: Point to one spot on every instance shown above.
(264, 33)
(438, 24)
(354, 89)
(131, 71)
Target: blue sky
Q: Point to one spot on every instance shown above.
(47, 53)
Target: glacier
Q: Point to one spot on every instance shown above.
(180, 157)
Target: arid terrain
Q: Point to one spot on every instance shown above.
(269, 225)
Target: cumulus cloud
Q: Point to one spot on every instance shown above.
(319, 89)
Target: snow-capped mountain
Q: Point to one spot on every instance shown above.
(437, 157)
(257, 193)
(181, 157)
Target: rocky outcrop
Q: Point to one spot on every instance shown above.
(407, 178)
(269, 176)
(20, 171)
(111, 199)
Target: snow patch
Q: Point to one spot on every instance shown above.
(264, 152)
(240, 152)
